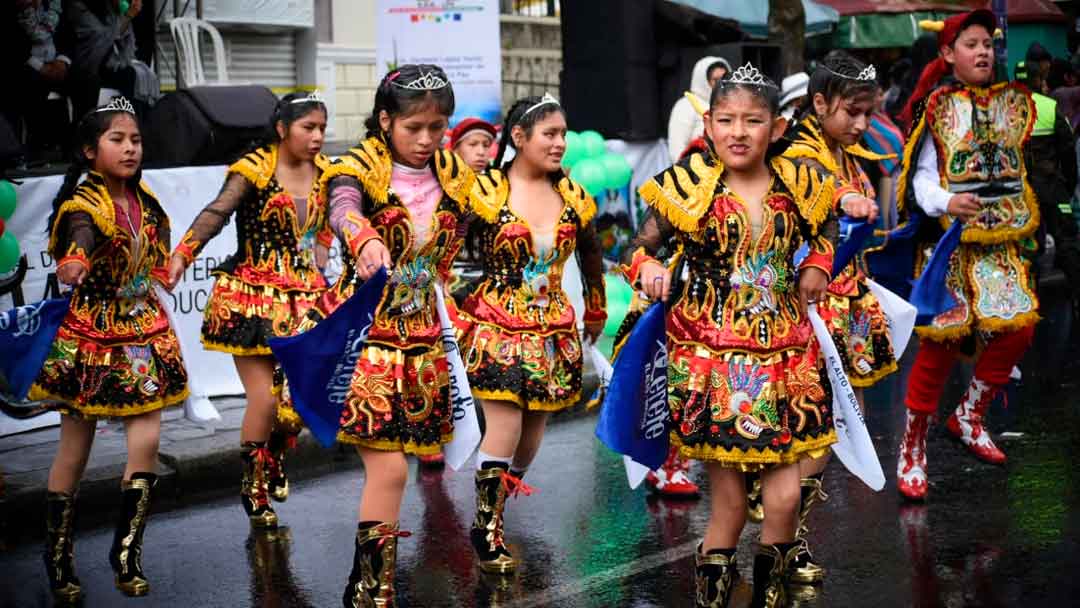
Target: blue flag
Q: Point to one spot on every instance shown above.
(892, 262)
(26, 337)
(635, 420)
(930, 294)
(853, 235)
(319, 363)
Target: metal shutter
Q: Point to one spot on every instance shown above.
(266, 59)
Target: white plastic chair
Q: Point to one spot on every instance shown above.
(185, 33)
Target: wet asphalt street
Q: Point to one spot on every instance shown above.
(988, 536)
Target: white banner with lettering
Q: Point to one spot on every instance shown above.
(183, 193)
(460, 36)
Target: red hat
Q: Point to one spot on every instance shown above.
(467, 126)
(947, 33)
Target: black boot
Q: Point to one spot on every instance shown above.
(277, 480)
(755, 510)
(803, 569)
(487, 530)
(60, 547)
(254, 486)
(770, 567)
(125, 556)
(371, 582)
(714, 576)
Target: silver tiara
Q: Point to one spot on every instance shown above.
(748, 74)
(426, 81)
(547, 99)
(869, 73)
(312, 97)
(117, 104)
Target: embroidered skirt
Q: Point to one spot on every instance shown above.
(749, 411)
(861, 333)
(531, 370)
(240, 316)
(116, 378)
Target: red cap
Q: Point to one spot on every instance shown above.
(467, 126)
(938, 68)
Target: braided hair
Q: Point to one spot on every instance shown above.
(397, 100)
(517, 116)
(89, 130)
(836, 78)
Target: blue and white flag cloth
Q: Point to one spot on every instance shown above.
(26, 337)
(930, 294)
(635, 420)
(853, 236)
(466, 423)
(319, 363)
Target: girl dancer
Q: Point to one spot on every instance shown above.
(840, 100)
(746, 389)
(521, 344)
(115, 354)
(396, 202)
(965, 162)
(273, 279)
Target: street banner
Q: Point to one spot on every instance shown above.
(460, 36)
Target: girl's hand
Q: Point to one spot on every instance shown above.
(72, 274)
(860, 207)
(963, 206)
(655, 281)
(373, 255)
(592, 330)
(322, 256)
(812, 284)
(177, 266)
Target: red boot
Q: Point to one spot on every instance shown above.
(966, 423)
(911, 466)
(670, 479)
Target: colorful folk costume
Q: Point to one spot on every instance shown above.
(520, 333)
(399, 399)
(114, 356)
(262, 291)
(971, 139)
(745, 384)
(851, 313)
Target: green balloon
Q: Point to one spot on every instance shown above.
(616, 170)
(589, 172)
(9, 252)
(574, 149)
(618, 302)
(7, 200)
(594, 144)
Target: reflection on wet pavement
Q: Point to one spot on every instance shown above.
(987, 536)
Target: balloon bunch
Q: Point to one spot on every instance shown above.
(592, 166)
(9, 245)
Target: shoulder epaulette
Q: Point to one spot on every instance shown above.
(370, 163)
(92, 198)
(489, 194)
(257, 167)
(812, 190)
(684, 192)
(455, 177)
(809, 142)
(578, 199)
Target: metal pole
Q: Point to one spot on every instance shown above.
(198, 9)
(176, 49)
(1001, 46)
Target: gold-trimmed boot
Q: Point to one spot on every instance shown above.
(770, 568)
(371, 582)
(254, 486)
(755, 509)
(714, 577)
(486, 534)
(59, 553)
(125, 556)
(277, 480)
(803, 569)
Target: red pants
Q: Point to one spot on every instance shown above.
(934, 362)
